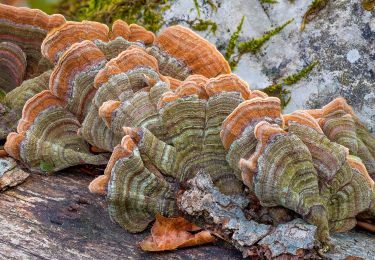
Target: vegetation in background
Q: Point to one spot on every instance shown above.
(147, 13)
(45, 5)
(232, 44)
(314, 8)
(255, 44)
(277, 90)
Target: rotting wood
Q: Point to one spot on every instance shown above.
(55, 217)
(224, 216)
(10, 173)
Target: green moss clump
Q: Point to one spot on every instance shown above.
(292, 79)
(197, 7)
(147, 13)
(277, 90)
(268, 1)
(255, 44)
(46, 167)
(203, 25)
(232, 43)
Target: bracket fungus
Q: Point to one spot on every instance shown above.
(47, 135)
(167, 108)
(12, 66)
(27, 28)
(22, 31)
(181, 52)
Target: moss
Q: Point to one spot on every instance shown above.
(255, 44)
(292, 79)
(203, 25)
(46, 167)
(2, 95)
(45, 6)
(278, 90)
(197, 8)
(232, 44)
(147, 13)
(268, 1)
(313, 9)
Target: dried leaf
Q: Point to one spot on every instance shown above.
(173, 233)
(353, 258)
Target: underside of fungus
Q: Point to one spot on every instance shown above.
(158, 110)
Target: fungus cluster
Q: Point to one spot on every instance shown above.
(157, 110)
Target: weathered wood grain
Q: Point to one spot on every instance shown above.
(55, 217)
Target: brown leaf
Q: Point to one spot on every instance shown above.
(173, 233)
(367, 226)
(3, 153)
(353, 258)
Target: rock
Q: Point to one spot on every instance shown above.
(341, 37)
(10, 174)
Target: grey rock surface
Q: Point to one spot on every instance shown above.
(341, 37)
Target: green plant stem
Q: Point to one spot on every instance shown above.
(254, 45)
(233, 41)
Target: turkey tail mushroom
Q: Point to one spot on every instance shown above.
(181, 52)
(237, 132)
(342, 178)
(61, 38)
(285, 176)
(47, 139)
(124, 81)
(341, 125)
(12, 66)
(13, 102)
(27, 28)
(137, 192)
(73, 77)
(328, 157)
